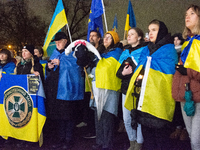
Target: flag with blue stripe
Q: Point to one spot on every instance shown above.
(156, 83)
(58, 21)
(115, 24)
(22, 107)
(130, 18)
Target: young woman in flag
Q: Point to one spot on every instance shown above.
(128, 60)
(187, 77)
(151, 84)
(105, 86)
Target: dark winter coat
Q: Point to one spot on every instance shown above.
(126, 78)
(29, 67)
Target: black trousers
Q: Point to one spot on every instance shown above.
(156, 138)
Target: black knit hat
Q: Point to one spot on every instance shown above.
(59, 36)
(30, 48)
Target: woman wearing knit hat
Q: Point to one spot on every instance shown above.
(29, 65)
(105, 87)
(6, 65)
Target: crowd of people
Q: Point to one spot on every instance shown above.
(151, 77)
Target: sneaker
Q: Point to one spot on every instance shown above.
(82, 124)
(90, 136)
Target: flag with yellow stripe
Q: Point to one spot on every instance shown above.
(58, 21)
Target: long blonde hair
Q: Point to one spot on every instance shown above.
(196, 30)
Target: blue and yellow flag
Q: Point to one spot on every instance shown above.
(105, 72)
(59, 20)
(130, 18)
(22, 107)
(155, 96)
(95, 18)
(190, 56)
(115, 24)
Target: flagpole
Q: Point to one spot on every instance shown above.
(104, 14)
(70, 37)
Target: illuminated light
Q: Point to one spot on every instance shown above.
(9, 46)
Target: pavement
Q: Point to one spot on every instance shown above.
(120, 143)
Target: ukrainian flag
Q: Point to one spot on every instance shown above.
(190, 56)
(130, 18)
(115, 24)
(22, 107)
(95, 18)
(155, 96)
(59, 20)
(105, 72)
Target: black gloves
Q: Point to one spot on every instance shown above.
(182, 70)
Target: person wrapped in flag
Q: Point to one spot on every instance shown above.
(128, 62)
(6, 63)
(105, 84)
(154, 72)
(64, 86)
(105, 87)
(188, 75)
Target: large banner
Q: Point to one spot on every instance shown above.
(22, 109)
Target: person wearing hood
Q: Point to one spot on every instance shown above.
(128, 60)
(105, 86)
(64, 87)
(6, 63)
(151, 82)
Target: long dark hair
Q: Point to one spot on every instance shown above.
(7, 52)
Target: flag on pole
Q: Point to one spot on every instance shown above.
(95, 18)
(115, 24)
(22, 107)
(130, 18)
(58, 21)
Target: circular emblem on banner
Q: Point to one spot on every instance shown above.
(18, 106)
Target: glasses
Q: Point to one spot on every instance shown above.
(108, 38)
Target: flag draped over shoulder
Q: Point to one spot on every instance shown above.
(95, 18)
(115, 24)
(155, 96)
(106, 76)
(59, 20)
(22, 107)
(130, 18)
(190, 56)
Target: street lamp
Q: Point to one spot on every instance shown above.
(9, 46)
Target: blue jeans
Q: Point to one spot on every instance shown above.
(192, 124)
(133, 135)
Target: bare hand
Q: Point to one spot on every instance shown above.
(56, 62)
(127, 70)
(50, 65)
(36, 73)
